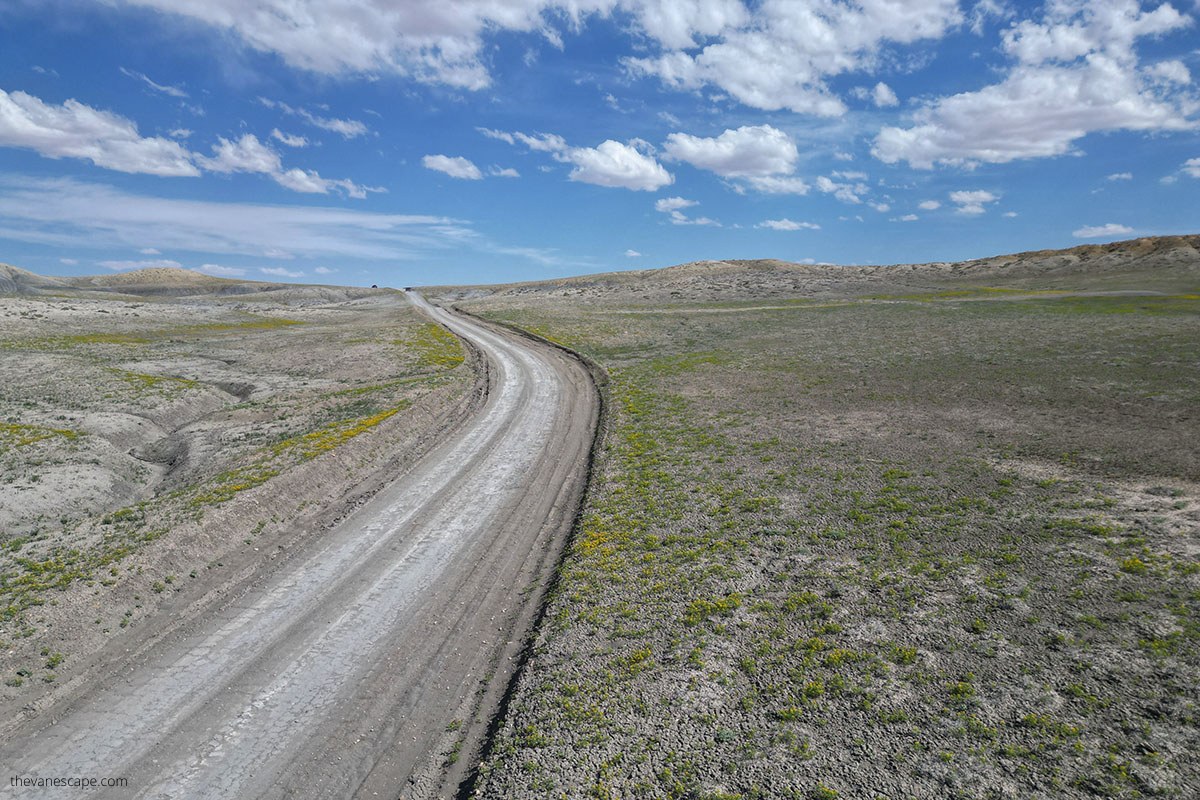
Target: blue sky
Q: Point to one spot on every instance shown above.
(445, 141)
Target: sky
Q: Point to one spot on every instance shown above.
(419, 142)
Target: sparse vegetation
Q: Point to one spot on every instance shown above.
(919, 524)
(101, 472)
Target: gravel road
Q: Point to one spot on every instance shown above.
(342, 675)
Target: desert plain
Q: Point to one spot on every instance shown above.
(898, 531)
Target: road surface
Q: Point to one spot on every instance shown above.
(341, 675)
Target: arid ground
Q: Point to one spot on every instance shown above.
(160, 441)
(908, 531)
(903, 532)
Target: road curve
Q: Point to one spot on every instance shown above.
(340, 675)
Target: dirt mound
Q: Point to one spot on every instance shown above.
(14, 280)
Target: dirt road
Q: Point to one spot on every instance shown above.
(346, 672)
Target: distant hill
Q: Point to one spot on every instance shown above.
(170, 282)
(1158, 263)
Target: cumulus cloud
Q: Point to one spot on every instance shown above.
(248, 154)
(668, 204)
(632, 254)
(75, 130)
(455, 167)
(280, 272)
(747, 151)
(929, 205)
(1120, 176)
(781, 54)
(907, 218)
(324, 271)
(972, 202)
(289, 139)
(503, 172)
(1170, 71)
(786, 224)
(881, 95)
(672, 205)
(1192, 167)
(846, 192)
(150, 251)
(767, 55)
(1074, 73)
(614, 164)
(777, 184)
(1098, 231)
(629, 165)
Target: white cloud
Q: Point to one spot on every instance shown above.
(1075, 73)
(495, 134)
(747, 151)
(289, 139)
(786, 224)
(68, 261)
(777, 184)
(544, 142)
(632, 254)
(667, 204)
(324, 271)
(174, 91)
(150, 251)
(220, 271)
(1192, 167)
(772, 54)
(348, 128)
(972, 202)
(780, 55)
(73, 214)
(248, 154)
(1009, 214)
(455, 167)
(840, 156)
(846, 192)
(679, 218)
(929, 205)
(883, 96)
(629, 166)
(908, 218)
(278, 252)
(179, 133)
(122, 266)
(882, 208)
(503, 172)
(1120, 176)
(74, 130)
(1097, 231)
(672, 205)
(1170, 71)
(280, 272)
(618, 165)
